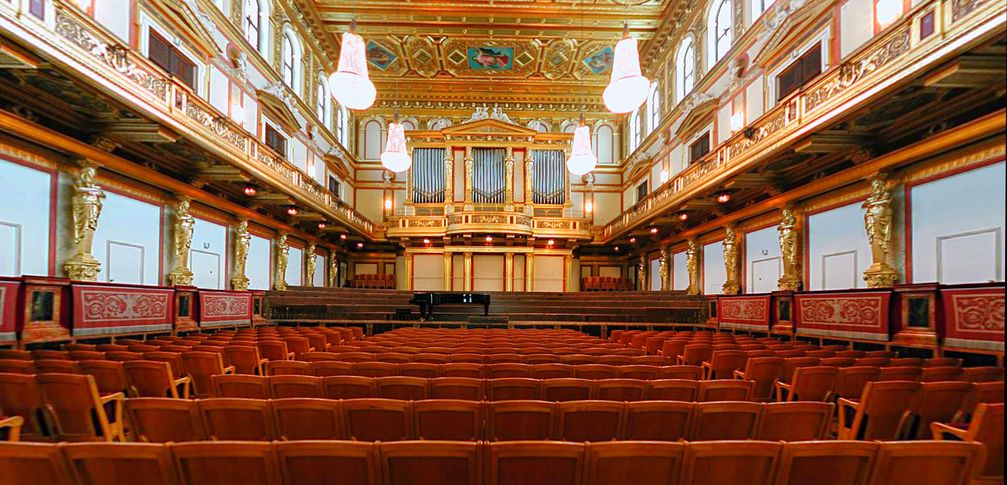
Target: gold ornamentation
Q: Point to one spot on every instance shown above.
(853, 72)
(242, 240)
(309, 265)
(282, 254)
(731, 286)
(449, 178)
(692, 266)
(664, 267)
(86, 204)
(333, 270)
(641, 273)
(790, 250)
(184, 225)
(469, 162)
(878, 223)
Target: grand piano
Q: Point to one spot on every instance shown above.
(428, 300)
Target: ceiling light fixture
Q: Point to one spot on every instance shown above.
(582, 159)
(395, 158)
(321, 225)
(653, 230)
(250, 190)
(360, 245)
(723, 197)
(632, 240)
(683, 216)
(627, 88)
(489, 239)
(342, 237)
(292, 211)
(350, 84)
(550, 243)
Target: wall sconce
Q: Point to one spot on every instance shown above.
(723, 197)
(388, 204)
(292, 211)
(426, 241)
(250, 190)
(489, 239)
(653, 230)
(588, 207)
(683, 216)
(360, 245)
(550, 243)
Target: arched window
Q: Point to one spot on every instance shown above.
(342, 123)
(685, 68)
(372, 142)
(569, 126)
(254, 22)
(408, 124)
(290, 59)
(323, 102)
(653, 107)
(721, 30)
(758, 7)
(605, 147)
(634, 131)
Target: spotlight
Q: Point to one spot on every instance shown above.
(360, 245)
(342, 237)
(250, 190)
(683, 216)
(489, 239)
(388, 204)
(321, 225)
(632, 240)
(616, 249)
(723, 197)
(292, 211)
(653, 230)
(426, 241)
(550, 243)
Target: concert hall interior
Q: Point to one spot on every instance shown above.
(502, 242)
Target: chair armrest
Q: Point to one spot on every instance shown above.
(119, 400)
(186, 383)
(311, 349)
(739, 374)
(290, 355)
(939, 430)
(13, 424)
(229, 369)
(845, 403)
(679, 360)
(706, 368)
(780, 387)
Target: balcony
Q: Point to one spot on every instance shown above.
(490, 220)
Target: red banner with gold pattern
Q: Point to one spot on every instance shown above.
(8, 311)
(744, 312)
(112, 309)
(862, 315)
(224, 308)
(974, 317)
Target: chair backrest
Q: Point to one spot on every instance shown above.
(73, 403)
(581, 421)
(621, 389)
(596, 371)
(987, 427)
(162, 420)
(290, 386)
(936, 402)
(535, 463)
(566, 389)
(791, 364)
(273, 349)
(201, 366)
(982, 374)
(826, 463)
(348, 387)
(851, 380)
(324, 462)
(33, 463)
(375, 369)
(725, 390)
(327, 368)
(629, 463)
(20, 397)
(696, 354)
(462, 369)
(943, 362)
(244, 358)
(307, 419)
(763, 372)
(237, 419)
(794, 421)
(925, 463)
(519, 420)
(940, 373)
(883, 410)
(723, 363)
(551, 371)
(815, 383)
(133, 463)
(503, 370)
(730, 463)
(419, 369)
(673, 390)
(148, 378)
(288, 367)
(727, 420)
(431, 463)
(56, 366)
(638, 371)
(466, 388)
(900, 373)
(377, 419)
(403, 387)
(657, 420)
(241, 385)
(244, 462)
(512, 389)
(448, 419)
(693, 372)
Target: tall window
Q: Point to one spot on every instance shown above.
(759, 7)
(699, 148)
(321, 99)
(653, 107)
(171, 59)
(342, 123)
(634, 131)
(685, 67)
(289, 61)
(721, 30)
(800, 72)
(253, 23)
(275, 140)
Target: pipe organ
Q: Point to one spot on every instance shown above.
(549, 177)
(428, 176)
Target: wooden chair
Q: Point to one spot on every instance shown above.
(577, 359)
(10, 428)
(982, 393)
(241, 385)
(506, 370)
(794, 421)
(814, 383)
(132, 463)
(314, 462)
(881, 412)
(431, 463)
(202, 366)
(465, 388)
(580, 421)
(657, 420)
(326, 368)
(628, 463)
(512, 389)
(790, 365)
(33, 464)
(519, 420)
(937, 402)
(48, 354)
(672, 348)
(723, 364)
(642, 372)
(163, 420)
(620, 389)
(873, 361)
(78, 412)
(926, 463)
(673, 390)
(763, 373)
(147, 378)
(691, 372)
(943, 362)
(86, 355)
(307, 419)
(941, 373)
(551, 371)
(730, 462)
(982, 374)
(448, 420)
(419, 369)
(274, 350)
(226, 462)
(20, 397)
(838, 361)
(377, 419)
(123, 356)
(906, 361)
(15, 354)
(850, 381)
(375, 369)
(462, 369)
(287, 367)
(17, 366)
(405, 388)
(826, 463)
(237, 419)
(695, 354)
(725, 391)
(290, 386)
(595, 371)
(348, 387)
(728, 420)
(987, 427)
(56, 366)
(900, 373)
(535, 463)
(559, 390)
(245, 359)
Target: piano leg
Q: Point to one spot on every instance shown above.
(486, 309)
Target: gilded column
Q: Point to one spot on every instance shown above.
(282, 253)
(529, 191)
(409, 270)
(732, 286)
(508, 271)
(448, 281)
(468, 175)
(467, 272)
(184, 225)
(878, 222)
(86, 204)
(449, 180)
(692, 266)
(790, 251)
(664, 268)
(333, 270)
(242, 240)
(641, 273)
(309, 265)
(509, 179)
(529, 272)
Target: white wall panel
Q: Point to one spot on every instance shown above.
(320, 268)
(219, 88)
(519, 267)
(856, 25)
(838, 252)
(548, 273)
(428, 272)
(128, 241)
(365, 268)
(763, 265)
(295, 267)
(714, 273)
(114, 15)
(208, 255)
(370, 203)
(257, 267)
(679, 271)
(655, 275)
(607, 206)
(487, 272)
(457, 272)
(24, 220)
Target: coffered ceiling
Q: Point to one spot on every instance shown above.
(553, 53)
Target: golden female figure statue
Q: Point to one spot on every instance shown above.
(790, 251)
(184, 225)
(731, 286)
(309, 265)
(282, 253)
(664, 268)
(878, 223)
(86, 204)
(333, 270)
(242, 240)
(692, 266)
(641, 273)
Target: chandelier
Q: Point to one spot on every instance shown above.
(395, 158)
(627, 88)
(582, 159)
(350, 84)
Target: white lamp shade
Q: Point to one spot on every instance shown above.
(582, 159)
(627, 89)
(350, 84)
(395, 158)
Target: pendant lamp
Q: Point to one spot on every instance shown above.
(582, 159)
(395, 158)
(627, 88)
(350, 84)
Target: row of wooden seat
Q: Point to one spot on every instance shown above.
(375, 280)
(605, 283)
(478, 463)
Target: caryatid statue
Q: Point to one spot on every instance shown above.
(878, 217)
(731, 286)
(86, 204)
(309, 265)
(242, 241)
(692, 267)
(790, 251)
(184, 226)
(282, 255)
